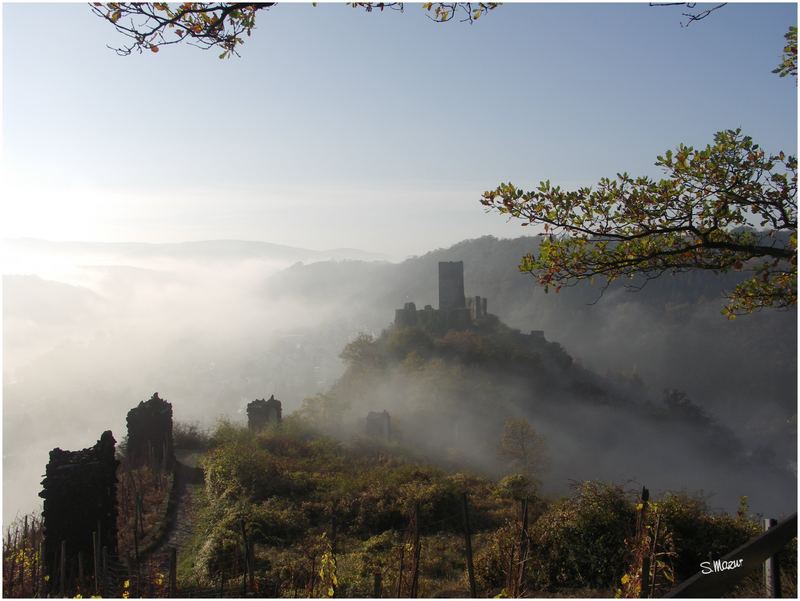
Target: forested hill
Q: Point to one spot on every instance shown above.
(671, 334)
(450, 393)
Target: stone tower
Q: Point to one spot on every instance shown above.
(80, 495)
(150, 434)
(261, 412)
(451, 285)
(379, 425)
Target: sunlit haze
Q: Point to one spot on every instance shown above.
(220, 231)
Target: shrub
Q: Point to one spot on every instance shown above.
(697, 532)
(190, 436)
(580, 541)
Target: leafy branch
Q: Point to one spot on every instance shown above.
(149, 26)
(703, 216)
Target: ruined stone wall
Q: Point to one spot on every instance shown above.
(477, 307)
(406, 317)
(378, 425)
(150, 434)
(261, 412)
(80, 495)
(456, 312)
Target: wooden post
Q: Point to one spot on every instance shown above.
(150, 579)
(400, 573)
(21, 570)
(468, 546)
(35, 563)
(139, 512)
(653, 554)
(752, 556)
(24, 546)
(333, 544)
(510, 575)
(62, 570)
(376, 585)
(415, 572)
(772, 568)
(523, 548)
(136, 538)
(105, 572)
(643, 592)
(251, 569)
(246, 560)
(9, 590)
(645, 577)
(96, 553)
(173, 572)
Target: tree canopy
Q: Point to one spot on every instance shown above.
(224, 25)
(703, 215)
(151, 25)
(730, 206)
(524, 448)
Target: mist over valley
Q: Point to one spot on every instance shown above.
(213, 325)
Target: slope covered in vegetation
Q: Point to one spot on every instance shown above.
(326, 517)
(449, 396)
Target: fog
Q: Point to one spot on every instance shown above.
(91, 330)
(81, 350)
(594, 427)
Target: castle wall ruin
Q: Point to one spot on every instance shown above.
(150, 434)
(80, 496)
(262, 412)
(455, 312)
(378, 425)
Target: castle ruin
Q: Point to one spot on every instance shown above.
(80, 498)
(378, 425)
(261, 412)
(150, 434)
(455, 312)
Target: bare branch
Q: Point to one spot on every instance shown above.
(691, 17)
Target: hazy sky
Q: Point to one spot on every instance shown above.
(378, 131)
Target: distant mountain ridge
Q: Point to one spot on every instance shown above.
(193, 250)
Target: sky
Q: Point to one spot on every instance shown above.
(379, 131)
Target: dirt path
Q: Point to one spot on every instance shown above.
(188, 480)
(182, 530)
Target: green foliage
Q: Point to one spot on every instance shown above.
(284, 486)
(469, 347)
(189, 436)
(580, 541)
(327, 571)
(362, 352)
(697, 532)
(516, 486)
(400, 342)
(525, 449)
(699, 217)
(788, 64)
(324, 411)
(492, 552)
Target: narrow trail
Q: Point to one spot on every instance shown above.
(189, 480)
